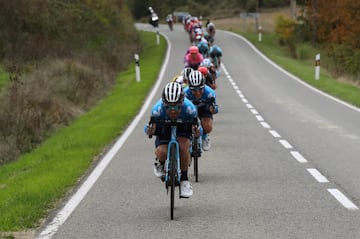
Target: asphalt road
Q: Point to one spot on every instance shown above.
(284, 163)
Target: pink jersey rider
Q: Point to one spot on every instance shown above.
(193, 58)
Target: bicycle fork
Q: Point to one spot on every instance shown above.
(168, 161)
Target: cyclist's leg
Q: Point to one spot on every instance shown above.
(161, 152)
(184, 145)
(206, 119)
(161, 145)
(207, 124)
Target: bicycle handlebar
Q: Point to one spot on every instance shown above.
(175, 122)
(203, 102)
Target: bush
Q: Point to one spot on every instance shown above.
(49, 97)
(304, 52)
(285, 29)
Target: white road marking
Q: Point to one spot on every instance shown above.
(347, 203)
(298, 157)
(254, 111)
(259, 118)
(75, 200)
(314, 172)
(317, 175)
(249, 106)
(274, 133)
(286, 144)
(265, 125)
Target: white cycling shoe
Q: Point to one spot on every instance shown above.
(159, 170)
(186, 189)
(206, 144)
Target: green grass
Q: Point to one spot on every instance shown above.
(305, 69)
(34, 183)
(4, 78)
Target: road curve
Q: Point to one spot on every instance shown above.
(284, 163)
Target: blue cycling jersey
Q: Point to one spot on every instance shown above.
(188, 111)
(206, 96)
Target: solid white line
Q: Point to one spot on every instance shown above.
(317, 175)
(274, 133)
(75, 200)
(342, 199)
(298, 157)
(291, 75)
(285, 143)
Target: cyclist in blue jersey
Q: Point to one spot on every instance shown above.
(173, 105)
(215, 54)
(205, 99)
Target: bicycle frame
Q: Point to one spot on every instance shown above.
(173, 141)
(172, 161)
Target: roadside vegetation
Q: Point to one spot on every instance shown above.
(36, 182)
(60, 62)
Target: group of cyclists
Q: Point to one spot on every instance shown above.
(188, 96)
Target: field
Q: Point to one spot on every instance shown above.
(266, 21)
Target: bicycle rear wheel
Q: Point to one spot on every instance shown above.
(172, 179)
(195, 156)
(196, 170)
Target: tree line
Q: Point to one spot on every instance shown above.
(205, 8)
(62, 56)
(335, 24)
(330, 25)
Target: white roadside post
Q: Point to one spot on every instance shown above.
(137, 67)
(157, 36)
(317, 66)
(260, 33)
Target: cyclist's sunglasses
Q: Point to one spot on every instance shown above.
(199, 88)
(172, 107)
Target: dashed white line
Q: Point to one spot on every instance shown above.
(347, 203)
(259, 118)
(249, 106)
(298, 157)
(254, 111)
(265, 125)
(274, 133)
(314, 172)
(317, 175)
(286, 144)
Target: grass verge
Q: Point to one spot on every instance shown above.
(4, 78)
(304, 69)
(32, 185)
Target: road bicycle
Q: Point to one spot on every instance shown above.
(172, 163)
(195, 152)
(196, 144)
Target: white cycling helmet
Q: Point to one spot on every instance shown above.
(173, 93)
(187, 71)
(206, 62)
(196, 79)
